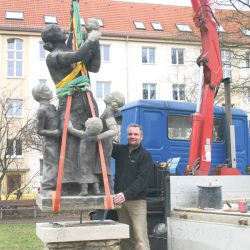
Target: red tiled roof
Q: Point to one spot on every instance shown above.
(117, 17)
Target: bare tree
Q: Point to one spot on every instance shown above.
(235, 45)
(17, 135)
(238, 5)
(234, 23)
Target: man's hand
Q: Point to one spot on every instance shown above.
(119, 198)
(94, 35)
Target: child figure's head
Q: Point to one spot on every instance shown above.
(42, 92)
(94, 126)
(92, 24)
(115, 99)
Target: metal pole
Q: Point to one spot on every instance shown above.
(226, 82)
(198, 107)
(167, 197)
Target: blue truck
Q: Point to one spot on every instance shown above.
(166, 134)
(167, 129)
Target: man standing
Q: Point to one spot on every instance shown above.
(133, 166)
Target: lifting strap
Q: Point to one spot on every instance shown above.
(65, 88)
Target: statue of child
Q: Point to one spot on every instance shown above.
(114, 101)
(48, 128)
(87, 155)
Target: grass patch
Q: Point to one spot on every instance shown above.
(19, 237)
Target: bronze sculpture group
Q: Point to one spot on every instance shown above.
(82, 171)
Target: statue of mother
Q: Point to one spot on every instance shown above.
(60, 62)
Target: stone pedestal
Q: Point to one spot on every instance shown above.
(77, 203)
(87, 245)
(89, 235)
(86, 235)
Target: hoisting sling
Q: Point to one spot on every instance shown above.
(67, 87)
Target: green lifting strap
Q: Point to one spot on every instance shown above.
(76, 23)
(81, 82)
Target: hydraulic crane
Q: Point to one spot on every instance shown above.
(210, 77)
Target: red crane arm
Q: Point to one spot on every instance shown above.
(210, 60)
(210, 55)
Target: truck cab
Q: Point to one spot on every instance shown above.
(167, 130)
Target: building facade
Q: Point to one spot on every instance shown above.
(148, 51)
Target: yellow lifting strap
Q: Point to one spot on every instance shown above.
(72, 75)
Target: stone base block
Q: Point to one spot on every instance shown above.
(100, 235)
(87, 245)
(70, 203)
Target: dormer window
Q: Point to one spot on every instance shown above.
(221, 29)
(139, 25)
(99, 20)
(50, 19)
(82, 21)
(156, 26)
(183, 27)
(14, 15)
(246, 32)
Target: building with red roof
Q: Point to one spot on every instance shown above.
(149, 51)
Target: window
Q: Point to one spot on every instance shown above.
(42, 81)
(248, 59)
(42, 53)
(221, 29)
(50, 19)
(183, 27)
(177, 56)
(218, 131)
(13, 182)
(149, 91)
(82, 21)
(179, 92)
(148, 55)
(15, 58)
(139, 25)
(99, 20)
(226, 63)
(14, 108)
(102, 89)
(105, 53)
(248, 118)
(246, 32)
(179, 128)
(156, 26)
(14, 147)
(14, 15)
(41, 164)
